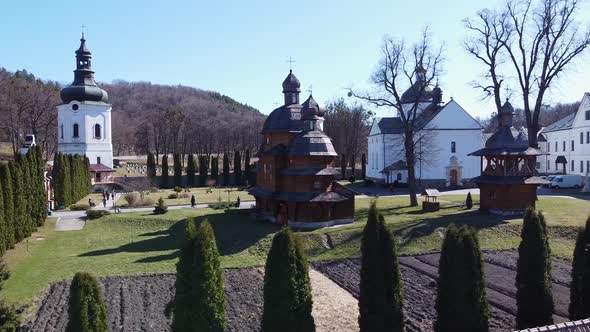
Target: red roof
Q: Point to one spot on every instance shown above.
(100, 168)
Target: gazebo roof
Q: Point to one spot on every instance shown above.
(533, 180)
(507, 151)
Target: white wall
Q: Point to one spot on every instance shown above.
(87, 115)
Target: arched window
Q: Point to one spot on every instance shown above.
(61, 131)
(97, 131)
(76, 131)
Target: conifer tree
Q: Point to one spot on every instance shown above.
(203, 170)
(151, 166)
(191, 168)
(363, 166)
(177, 170)
(579, 307)
(287, 288)
(534, 300)
(3, 225)
(247, 171)
(469, 201)
(214, 168)
(380, 299)
(86, 307)
(461, 302)
(225, 170)
(353, 165)
(27, 191)
(20, 221)
(8, 197)
(199, 302)
(237, 168)
(164, 178)
(67, 180)
(343, 166)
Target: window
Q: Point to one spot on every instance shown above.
(538, 165)
(61, 131)
(587, 166)
(581, 138)
(453, 147)
(76, 131)
(572, 166)
(548, 147)
(563, 145)
(98, 160)
(572, 145)
(588, 137)
(581, 166)
(548, 165)
(555, 146)
(97, 131)
(587, 115)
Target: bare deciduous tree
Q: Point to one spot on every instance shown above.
(402, 67)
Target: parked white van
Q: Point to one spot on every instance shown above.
(567, 181)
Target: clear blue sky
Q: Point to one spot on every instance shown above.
(240, 48)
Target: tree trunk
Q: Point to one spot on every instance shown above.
(410, 161)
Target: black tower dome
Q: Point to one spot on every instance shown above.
(84, 87)
(291, 89)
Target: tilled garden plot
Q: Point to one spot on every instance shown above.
(138, 303)
(420, 272)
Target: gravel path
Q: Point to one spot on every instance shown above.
(334, 309)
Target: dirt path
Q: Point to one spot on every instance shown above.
(334, 309)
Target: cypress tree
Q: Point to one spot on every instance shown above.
(363, 166)
(26, 180)
(151, 166)
(199, 303)
(42, 193)
(86, 308)
(533, 274)
(225, 170)
(73, 179)
(380, 299)
(247, 176)
(20, 206)
(237, 168)
(469, 201)
(177, 170)
(343, 166)
(353, 165)
(461, 303)
(3, 225)
(7, 193)
(164, 178)
(203, 170)
(191, 168)
(287, 288)
(579, 307)
(67, 180)
(214, 168)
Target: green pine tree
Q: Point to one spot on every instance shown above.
(343, 166)
(20, 206)
(225, 170)
(8, 196)
(247, 170)
(287, 288)
(579, 307)
(534, 300)
(363, 166)
(214, 168)
(177, 170)
(203, 170)
(461, 302)
(86, 310)
(469, 201)
(353, 165)
(191, 168)
(237, 168)
(67, 180)
(380, 298)
(3, 225)
(151, 166)
(164, 182)
(160, 208)
(199, 302)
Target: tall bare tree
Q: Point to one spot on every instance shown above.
(401, 68)
(530, 42)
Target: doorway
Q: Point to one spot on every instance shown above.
(453, 177)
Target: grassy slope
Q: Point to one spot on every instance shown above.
(142, 242)
(201, 195)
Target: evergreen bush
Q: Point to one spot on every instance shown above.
(164, 179)
(7, 193)
(469, 201)
(177, 170)
(86, 310)
(363, 166)
(287, 288)
(9, 320)
(95, 214)
(380, 298)
(160, 208)
(191, 168)
(579, 307)
(534, 300)
(225, 170)
(461, 302)
(199, 301)
(238, 179)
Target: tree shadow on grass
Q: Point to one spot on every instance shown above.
(234, 231)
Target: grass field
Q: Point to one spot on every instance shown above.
(201, 195)
(141, 242)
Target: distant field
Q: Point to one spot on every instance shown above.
(201, 195)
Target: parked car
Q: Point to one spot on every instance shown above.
(567, 181)
(548, 179)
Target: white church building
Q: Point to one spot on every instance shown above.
(446, 134)
(84, 119)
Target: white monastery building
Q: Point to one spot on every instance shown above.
(568, 142)
(446, 134)
(84, 118)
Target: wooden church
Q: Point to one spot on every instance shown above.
(295, 175)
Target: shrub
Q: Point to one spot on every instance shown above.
(534, 300)
(146, 201)
(380, 299)
(8, 314)
(132, 198)
(79, 207)
(351, 179)
(222, 205)
(579, 307)
(86, 306)
(461, 303)
(368, 183)
(173, 196)
(177, 189)
(469, 201)
(160, 208)
(184, 195)
(199, 302)
(95, 214)
(287, 289)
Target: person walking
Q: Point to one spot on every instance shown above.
(193, 201)
(104, 202)
(113, 195)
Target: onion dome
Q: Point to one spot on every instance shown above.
(311, 110)
(312, 143)
(83, 88)
(291, 83)
(420, 91)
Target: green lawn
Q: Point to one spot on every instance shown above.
(201, 195)
(141, 242)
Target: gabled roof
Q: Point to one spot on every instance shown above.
(100, 168)
(563, 124)
(394, 125)
(391, 125)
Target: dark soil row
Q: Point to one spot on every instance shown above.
(138, 303)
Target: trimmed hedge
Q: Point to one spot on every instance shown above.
(86, 308)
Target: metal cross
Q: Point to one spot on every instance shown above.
(83, 30)
(291, 61)
(310, 89)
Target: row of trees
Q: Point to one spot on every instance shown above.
(206, 167)
(71, 178)
(23, 199)
(346, 162)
